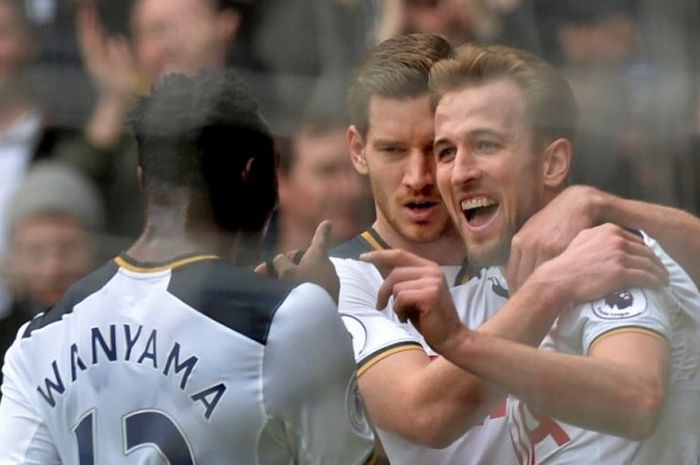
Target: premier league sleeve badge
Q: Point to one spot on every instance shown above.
(622, 304)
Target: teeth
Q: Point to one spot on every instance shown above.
(477, 202)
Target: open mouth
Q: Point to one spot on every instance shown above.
(420, 205)
(479, 210)
(421, 211)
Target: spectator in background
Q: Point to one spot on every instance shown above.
(52, 218)
(317, 181)
(510, 22)
(166, 36)
(26, 134)
(628, 63)
(300, 43)
(671, 38)
(57, 74)
(598, 45)
(20, 117)
(453, 19)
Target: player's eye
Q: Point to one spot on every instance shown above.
(390, 149)
(445, 153)
(487, 146)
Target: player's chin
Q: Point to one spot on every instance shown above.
(485, 255)
(424, 232)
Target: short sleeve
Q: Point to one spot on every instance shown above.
(639, 310)
(376, 334)
(310, 388)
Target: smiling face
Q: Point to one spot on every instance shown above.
(396, 154)
(488, 171)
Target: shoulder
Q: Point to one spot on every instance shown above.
(367, 241)
(682, 287)
(307, 308)
(352, 248)
(81, 290)
(236, 297)
(631, 309)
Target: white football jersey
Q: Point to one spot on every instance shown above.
(191, 362)
(377, 334)
(673, 314)
(534, 438)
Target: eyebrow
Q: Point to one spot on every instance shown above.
(485, 132)
(441, 141)
(380, 142)
(472, 133)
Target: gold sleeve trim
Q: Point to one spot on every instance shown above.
(627, 329)
(377, 357)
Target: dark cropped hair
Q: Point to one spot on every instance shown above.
(200, 133)
(397, 68)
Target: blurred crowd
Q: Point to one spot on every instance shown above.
(70, 70)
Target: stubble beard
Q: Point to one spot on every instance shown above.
(422, 233)
(498, 253)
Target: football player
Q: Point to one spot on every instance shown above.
(175, 351)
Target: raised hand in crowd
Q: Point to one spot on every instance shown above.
(110, 63)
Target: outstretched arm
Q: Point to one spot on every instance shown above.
(677, 231)
(549, 232)
(626, 371)
(436, 402)
(619, 388)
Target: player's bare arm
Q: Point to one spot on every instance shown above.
(629, 384)
(430, 402)
(547, 233)
(677, 231)
(618, 389)
(418, 286)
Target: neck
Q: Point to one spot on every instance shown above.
(447, 249)
(172, 231)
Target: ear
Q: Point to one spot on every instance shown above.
(229, 21)
(356, 146)
(556, 163)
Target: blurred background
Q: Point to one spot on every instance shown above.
(70, 71)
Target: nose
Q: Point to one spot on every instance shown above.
(419, 173)
(465, 168)
(50, 266)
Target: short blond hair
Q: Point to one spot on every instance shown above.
(550, 103)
